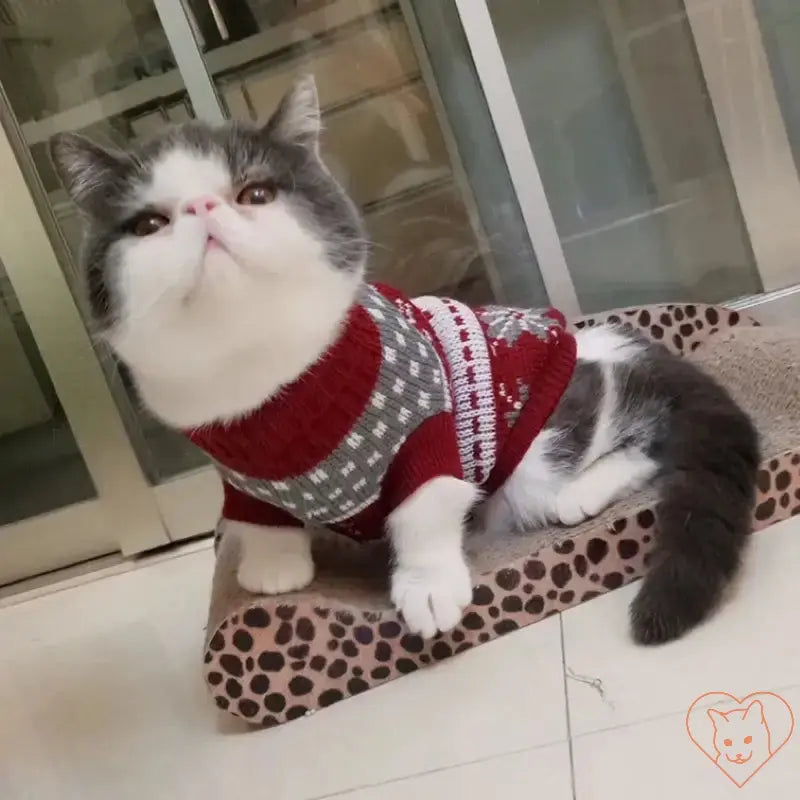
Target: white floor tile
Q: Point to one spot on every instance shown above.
(656, 760)
(100, 696)
(543, 773)
(748, 646)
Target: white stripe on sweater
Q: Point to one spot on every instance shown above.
(473, 396)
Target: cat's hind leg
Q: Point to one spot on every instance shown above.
(610, 478)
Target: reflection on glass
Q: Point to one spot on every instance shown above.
(622, 129)
(780, 28)
(383, 137)
(105, 69)
(41, 468)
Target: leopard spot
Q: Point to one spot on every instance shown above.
(561, 574)
(441, 650)
(613, 580)
(275, 702)
(284, 634)
(535, 605)
(305, 629)
(329, 697)
(406, 666)
(389, 630)
(232, 664)
(596, 550)
(766, 509)
(256, 618)
(412, 643)
(248, 708)
(508, 579)
(646, 518)
(763, 481)
(627, 548)
(512, 604)
(285, 612)
(300, 686)
(271, 662)
(337, 668)
(473, 621)
(535, 570)
(356, 686)
(782, 480)
(217, 642)
(482, 595)
(363, 634)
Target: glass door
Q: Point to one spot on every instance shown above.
(659, 133)
(77, 458)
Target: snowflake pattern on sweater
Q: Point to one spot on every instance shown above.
(411, 390)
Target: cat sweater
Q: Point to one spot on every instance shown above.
(410, 390)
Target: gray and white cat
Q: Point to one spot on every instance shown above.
(220, 263)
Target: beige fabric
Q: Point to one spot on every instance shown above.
(759, 366)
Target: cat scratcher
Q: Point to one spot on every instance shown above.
(274, 659)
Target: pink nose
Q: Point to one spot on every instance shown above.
(201, 205)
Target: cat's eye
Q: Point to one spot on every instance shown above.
(257, 194)
(728, 742)
(748, 739)
(148, 224)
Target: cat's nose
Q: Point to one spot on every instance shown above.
(200, 206)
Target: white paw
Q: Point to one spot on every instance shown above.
(569, 509)
(274, 560)
(285, 572)
(432, 598)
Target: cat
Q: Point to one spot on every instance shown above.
(741, 740)
(225, 266)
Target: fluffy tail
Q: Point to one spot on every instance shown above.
(710, 458)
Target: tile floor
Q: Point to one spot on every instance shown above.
(101, 699)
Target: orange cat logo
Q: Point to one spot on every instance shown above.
(740, 736)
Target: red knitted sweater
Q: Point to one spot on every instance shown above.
(411, 390)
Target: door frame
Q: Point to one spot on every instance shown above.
(124, 514)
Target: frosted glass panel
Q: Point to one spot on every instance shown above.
(780, 29)
(617, 113)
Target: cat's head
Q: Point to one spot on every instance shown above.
(210, 241)
(742, 734)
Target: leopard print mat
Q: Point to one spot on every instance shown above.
(272, 660)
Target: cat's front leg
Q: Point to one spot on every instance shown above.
(431, 584)
(274, 559)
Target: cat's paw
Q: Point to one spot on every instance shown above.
(569, 509)
(289, 572)
(432, 598)
(275, 560)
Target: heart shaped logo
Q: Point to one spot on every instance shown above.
(740, 736)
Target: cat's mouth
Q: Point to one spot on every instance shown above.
(740, 759)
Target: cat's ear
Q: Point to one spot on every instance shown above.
(717, 717)
(754, 712)
(90, 173)
(297, 118)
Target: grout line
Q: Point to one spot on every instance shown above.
(566, 705)
(433, 771)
